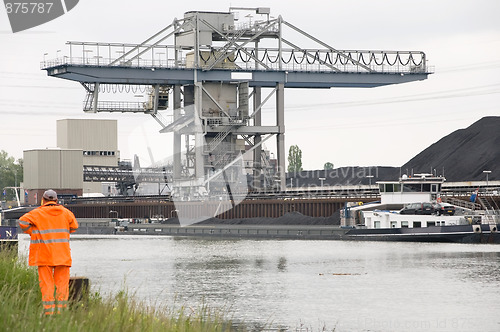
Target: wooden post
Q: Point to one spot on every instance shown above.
(78, 289)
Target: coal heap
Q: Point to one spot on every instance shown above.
(464, 154)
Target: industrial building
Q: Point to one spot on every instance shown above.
(79, 142)
(58, 169)
(98, 141)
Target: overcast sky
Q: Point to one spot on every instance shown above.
(366, 127)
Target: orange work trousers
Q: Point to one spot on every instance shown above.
(54, 284)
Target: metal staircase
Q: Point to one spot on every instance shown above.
(485, 203)
(219, 138)
(269, 174)
(161, 119)
(491, 214)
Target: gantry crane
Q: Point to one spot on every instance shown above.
(205, 74)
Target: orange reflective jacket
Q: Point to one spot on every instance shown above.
(49, 226)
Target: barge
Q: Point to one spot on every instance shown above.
(384, 220)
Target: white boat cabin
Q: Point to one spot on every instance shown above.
(422, 188)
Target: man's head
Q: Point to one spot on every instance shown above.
(50, 196)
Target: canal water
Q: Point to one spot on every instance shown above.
(299, 285)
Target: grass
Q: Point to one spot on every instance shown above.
(21, 309)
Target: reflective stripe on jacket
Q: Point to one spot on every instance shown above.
(49, 226)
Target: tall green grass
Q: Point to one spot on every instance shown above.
(21, 309)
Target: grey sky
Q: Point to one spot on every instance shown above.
(379, 126)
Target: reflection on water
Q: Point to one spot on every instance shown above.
(349, 286)
(282, 264)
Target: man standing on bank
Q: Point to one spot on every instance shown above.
(49, 226)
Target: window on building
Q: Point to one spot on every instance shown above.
(417, 224)
(98, 153)
(404, 224)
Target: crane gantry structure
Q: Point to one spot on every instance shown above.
(206, 72)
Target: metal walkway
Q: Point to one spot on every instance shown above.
(304, 68)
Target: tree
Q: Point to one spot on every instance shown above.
(328, 166)
(11, 174)
(294, 159)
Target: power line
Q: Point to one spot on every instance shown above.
(446, 94)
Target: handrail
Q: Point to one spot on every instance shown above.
(290, 59)
(121, 106)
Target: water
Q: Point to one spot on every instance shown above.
(304, 285)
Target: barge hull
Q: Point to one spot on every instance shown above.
(451, 234)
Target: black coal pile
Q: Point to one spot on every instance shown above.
(460, 156)
(463, 154)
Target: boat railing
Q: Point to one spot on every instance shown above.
(490, 219)
(461, 203)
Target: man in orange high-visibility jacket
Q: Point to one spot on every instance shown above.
(49, 226)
